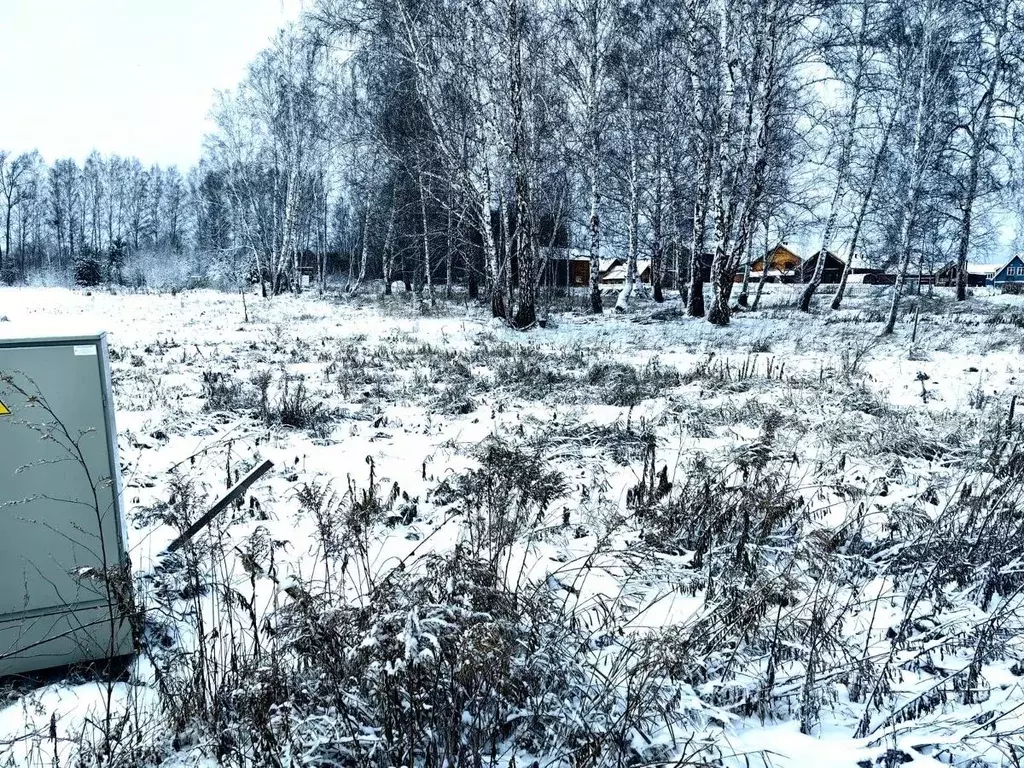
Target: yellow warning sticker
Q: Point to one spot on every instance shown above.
(4, 410)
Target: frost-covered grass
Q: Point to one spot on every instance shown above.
(621, 540)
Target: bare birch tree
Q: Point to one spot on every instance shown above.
(848, 132)
(984, 76)
(929, 53)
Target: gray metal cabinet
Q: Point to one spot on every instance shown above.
(64, 587)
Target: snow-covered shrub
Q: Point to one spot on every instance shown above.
(718, 372)
(164, 271)
(1015, 319)
(260, 382)
(223, 393)
(448, 665)
(444, 660)
(742, 501)
(626, 385)
(296, 407)
(359, 373)
(499, 501)
(531, 376)
(455, 399)
(50, 278)
(619, 442)
(743, 525)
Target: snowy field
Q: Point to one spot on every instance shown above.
(620, 540)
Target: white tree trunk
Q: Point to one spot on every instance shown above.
(842, 169)
(633, 222)
(914, 187)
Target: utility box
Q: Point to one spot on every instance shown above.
(65, 587)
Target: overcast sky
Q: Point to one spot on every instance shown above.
(135, 77)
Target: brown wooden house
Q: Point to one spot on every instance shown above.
(615, 271)
(780, 260)
(832, 272)
(784, 265)
(618, 269)
(566, 267)
(978, 275)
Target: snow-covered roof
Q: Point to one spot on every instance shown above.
(620, 272)
(564, 254)
(975, 268)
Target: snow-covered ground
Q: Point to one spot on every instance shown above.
(838, 547)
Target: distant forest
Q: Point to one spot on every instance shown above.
(452, 142)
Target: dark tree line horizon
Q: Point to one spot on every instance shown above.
(453, 142)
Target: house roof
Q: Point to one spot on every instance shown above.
(829, 256)
(977, 268)
(787, 248)
(620, 271)
(780, 248)
(564, 254)
(998, 269)
(974, 268)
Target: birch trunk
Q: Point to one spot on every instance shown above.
(495, 272)
(698, 238)
(698, 231)
(449, 240)
(364, 251)
(843, 167)
(287, 234)
(719, 311)
(427, 268)
(388, 256)
(742, 298)
(525, 315)
(657, 241)
(594, 136)
(978, 144)
(749, 171)
(876, 168)
(633, 220)
(594, 229)
(913, 189)
(760, 284)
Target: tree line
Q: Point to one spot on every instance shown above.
(56, 216)
(454, 142)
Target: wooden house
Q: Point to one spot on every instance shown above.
(871, 277)
(566, 267)
(784, 265)
(978, 275)
(1011, 272)
(831, 273)
(780, 265)
(617, 272)
(780, 259)
(607, 265)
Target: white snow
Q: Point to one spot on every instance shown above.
(385, 415)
